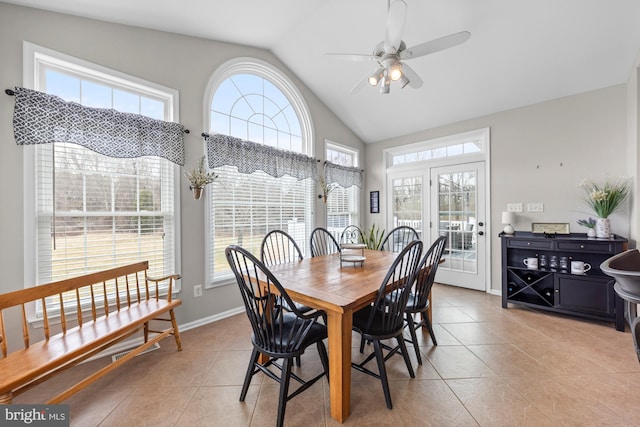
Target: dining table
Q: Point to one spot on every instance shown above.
(340, 289)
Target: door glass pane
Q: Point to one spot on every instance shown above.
(407, 203)
(457, 195)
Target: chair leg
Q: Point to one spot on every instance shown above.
(414, 336)
(247, 378)
(324, 358)
(405, 355)
(383, 373)
(284, 388)
(361, 344)
(176, 332)
(298, 361)
(430, 328)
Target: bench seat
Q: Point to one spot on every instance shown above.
(28, 366)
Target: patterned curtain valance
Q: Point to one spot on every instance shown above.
(40, 118)
(344, 176)
(249, 157)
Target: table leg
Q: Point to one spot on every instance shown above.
(339, 331)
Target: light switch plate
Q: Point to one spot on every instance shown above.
(514, 207)
(535, 207)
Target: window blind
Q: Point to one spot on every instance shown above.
(243, 208)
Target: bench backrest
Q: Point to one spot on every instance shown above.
(100, 293)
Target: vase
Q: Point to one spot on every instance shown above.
(603, 228)
(197, 192)
(591, 232)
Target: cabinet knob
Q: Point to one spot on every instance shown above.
(581, 246)
(528, 243)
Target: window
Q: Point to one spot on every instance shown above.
(92, 212)
(342, 203)
(252, 100)
(455, 149)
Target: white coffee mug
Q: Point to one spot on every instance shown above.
(579, 267)
(531, 263)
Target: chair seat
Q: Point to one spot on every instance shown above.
(377, 329)
(413, 304)
(283, 336)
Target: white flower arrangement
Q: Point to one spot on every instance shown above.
(200, 177)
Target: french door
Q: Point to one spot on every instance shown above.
(458, 211)
(446, 200)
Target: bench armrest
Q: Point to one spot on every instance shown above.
(170, 278)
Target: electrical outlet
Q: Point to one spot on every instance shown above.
(535, 207)
(197, 291)
(514, 207)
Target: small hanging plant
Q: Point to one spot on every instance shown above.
(199, 178)
(326, 188)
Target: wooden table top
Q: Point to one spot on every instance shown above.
(322, 283)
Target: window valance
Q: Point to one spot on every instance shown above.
(344, 176)
(249, 157)
(40, 118)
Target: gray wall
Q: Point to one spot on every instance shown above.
(179, 62)
(586, 133)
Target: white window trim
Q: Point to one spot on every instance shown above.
(329, 144)
(35, 55)
(271, 73)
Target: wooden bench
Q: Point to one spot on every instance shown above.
(71, 335)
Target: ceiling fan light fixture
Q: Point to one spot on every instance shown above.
(403, 81)
(385, 84)
(395, 71)
(375, 77)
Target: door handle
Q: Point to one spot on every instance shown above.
(480, 224)
(480, 233)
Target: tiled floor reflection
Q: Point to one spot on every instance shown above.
(492, 367)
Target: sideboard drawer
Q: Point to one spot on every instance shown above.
(530, 244)
(603, 247)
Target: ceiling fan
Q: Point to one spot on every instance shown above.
(391, 53)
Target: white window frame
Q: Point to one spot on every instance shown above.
(335, 146)
(258, 67)
(35, 57)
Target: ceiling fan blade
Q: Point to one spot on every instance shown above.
(435, 45)
(395, 26)
(355, 57)
(414, 79)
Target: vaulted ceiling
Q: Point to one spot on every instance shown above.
(520, 52)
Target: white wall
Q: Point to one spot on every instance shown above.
(633, 141)
(539, 153)
(179, 62)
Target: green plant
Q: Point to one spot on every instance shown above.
(200, 177)
(604, 198)
(373, 237)
(589, 223)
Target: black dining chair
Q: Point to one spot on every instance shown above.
(323, 243)
(351, 234)
(278, 247)
(278, 334)
(398, 238)
(384, 319)
(419, 297)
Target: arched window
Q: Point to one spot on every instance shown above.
(252, 100)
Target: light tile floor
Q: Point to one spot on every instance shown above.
(492, 367)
